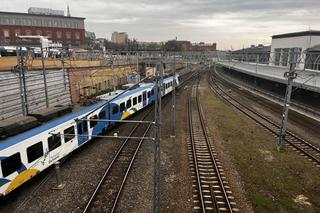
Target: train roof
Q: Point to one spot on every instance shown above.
(30, 133)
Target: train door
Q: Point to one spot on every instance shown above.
(144, 98)
(82, 128)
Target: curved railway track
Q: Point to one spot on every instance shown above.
(211, 190)
(305, 148)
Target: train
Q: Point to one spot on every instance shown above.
(25, 155)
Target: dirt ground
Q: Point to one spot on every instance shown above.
(272, 181)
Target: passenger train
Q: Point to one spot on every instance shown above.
(27, 154)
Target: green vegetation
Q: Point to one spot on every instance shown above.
(273, 181)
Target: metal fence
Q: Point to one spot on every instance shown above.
(305, 59)
(26, 92)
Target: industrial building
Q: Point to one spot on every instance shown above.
(59, 28)
(284, 45)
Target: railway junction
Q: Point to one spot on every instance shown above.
(205, 142)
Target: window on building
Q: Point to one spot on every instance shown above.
(68, 35)
(28, 32)
(54, 142)
(129, 103)
(93, 123)
(11, 164)
(35, 152)
(17, 33)
(49, 34)
(38, 32)
(77, 35)
(122, 106)
(134, 101)
(59, 35)
(69, 134)
(115, 109)
(6, 33)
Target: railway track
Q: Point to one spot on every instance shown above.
(107, 192)
(211, 190)
(303, 147)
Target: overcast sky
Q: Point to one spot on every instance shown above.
(230, 23)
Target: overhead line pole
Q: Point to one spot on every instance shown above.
(173, 134)
(156, 199)
(291, 75)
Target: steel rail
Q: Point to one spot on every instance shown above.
(244, 109)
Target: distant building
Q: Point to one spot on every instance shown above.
(119, 37)
(62, 29)
(174, 45)
(259, 53)
(204, 47)
(284, 45)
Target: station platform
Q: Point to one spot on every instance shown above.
(306, 79)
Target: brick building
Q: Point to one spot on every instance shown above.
(62, 29)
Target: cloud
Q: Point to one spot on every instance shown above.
(227, 22)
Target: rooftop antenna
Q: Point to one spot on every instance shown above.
(68, 11)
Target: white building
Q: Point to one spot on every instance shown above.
(284, 45)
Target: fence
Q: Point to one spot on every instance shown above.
(14, 87)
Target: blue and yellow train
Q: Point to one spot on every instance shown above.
(27, 154)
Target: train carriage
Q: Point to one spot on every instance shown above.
(25, 155)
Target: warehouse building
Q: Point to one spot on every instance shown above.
(284, 45)
(59, 28)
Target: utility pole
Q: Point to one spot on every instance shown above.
(22, 81)
(112, 67)
(156, 199)
(291, 75)
(173, 134)
(44, 77)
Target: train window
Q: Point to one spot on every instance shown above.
(93, 123)
(129, 103)
(85, 126)
(11, 164)
(34, 152)
(115, 109)
(134, 101)
(144, 96)
(54, 142)
(102, 115)
(79, 128)
(139, 99)
(149, 94)
(122, 107)
(152, 92)
(69, 134)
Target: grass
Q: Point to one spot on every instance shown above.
(272, 180)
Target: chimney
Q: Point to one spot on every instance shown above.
(68, 11)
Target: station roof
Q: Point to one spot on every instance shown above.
(297, 34)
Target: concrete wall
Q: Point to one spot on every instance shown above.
(10, 96)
